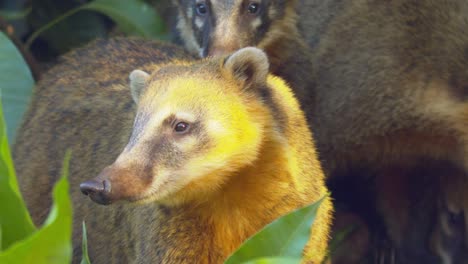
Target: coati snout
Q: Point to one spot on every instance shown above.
(114, 183)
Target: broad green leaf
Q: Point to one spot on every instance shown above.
(52, 243)
(84, 247)
(16, 83)
(15, 221)
(284, 237)
(274, 261)
(133, 17)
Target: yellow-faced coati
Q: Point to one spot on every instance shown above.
(388, 86)
(99, 72)
(218, 149)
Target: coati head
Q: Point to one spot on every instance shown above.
(212, 27)
(194, 128)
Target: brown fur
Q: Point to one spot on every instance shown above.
(407, 85)
(392, 80)
(84, 104)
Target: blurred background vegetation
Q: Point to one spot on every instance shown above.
(44, 29)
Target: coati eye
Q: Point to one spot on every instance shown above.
(253, 8)
(181, 127)
(201, 8)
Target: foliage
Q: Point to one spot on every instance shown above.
(15, 84)
(14, 15)
(84, 247)
(21, 241)
(274, 261)
(52, 243)
(133, 17)
(285, 237)
(50, 28)
(15, 221)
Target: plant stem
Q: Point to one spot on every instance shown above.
(49, 25)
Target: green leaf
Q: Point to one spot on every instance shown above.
(284, 237)
(133, 17)
(16, 83)
(84, 247)
(15, 15)
(274, 261)
(15, 221)
(52, 243)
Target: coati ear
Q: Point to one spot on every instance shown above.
(138, 80)
(248, 65)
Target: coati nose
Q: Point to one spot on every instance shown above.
(98, 191)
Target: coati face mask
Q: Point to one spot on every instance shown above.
(215, 27)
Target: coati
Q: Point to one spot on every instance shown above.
(214, 153)
(385, 87)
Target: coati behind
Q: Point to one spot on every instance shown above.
(209, 28)
(387, 90)
(217, 150)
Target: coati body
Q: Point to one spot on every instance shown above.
(205, 189)
(387, 91)
(391, 96)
